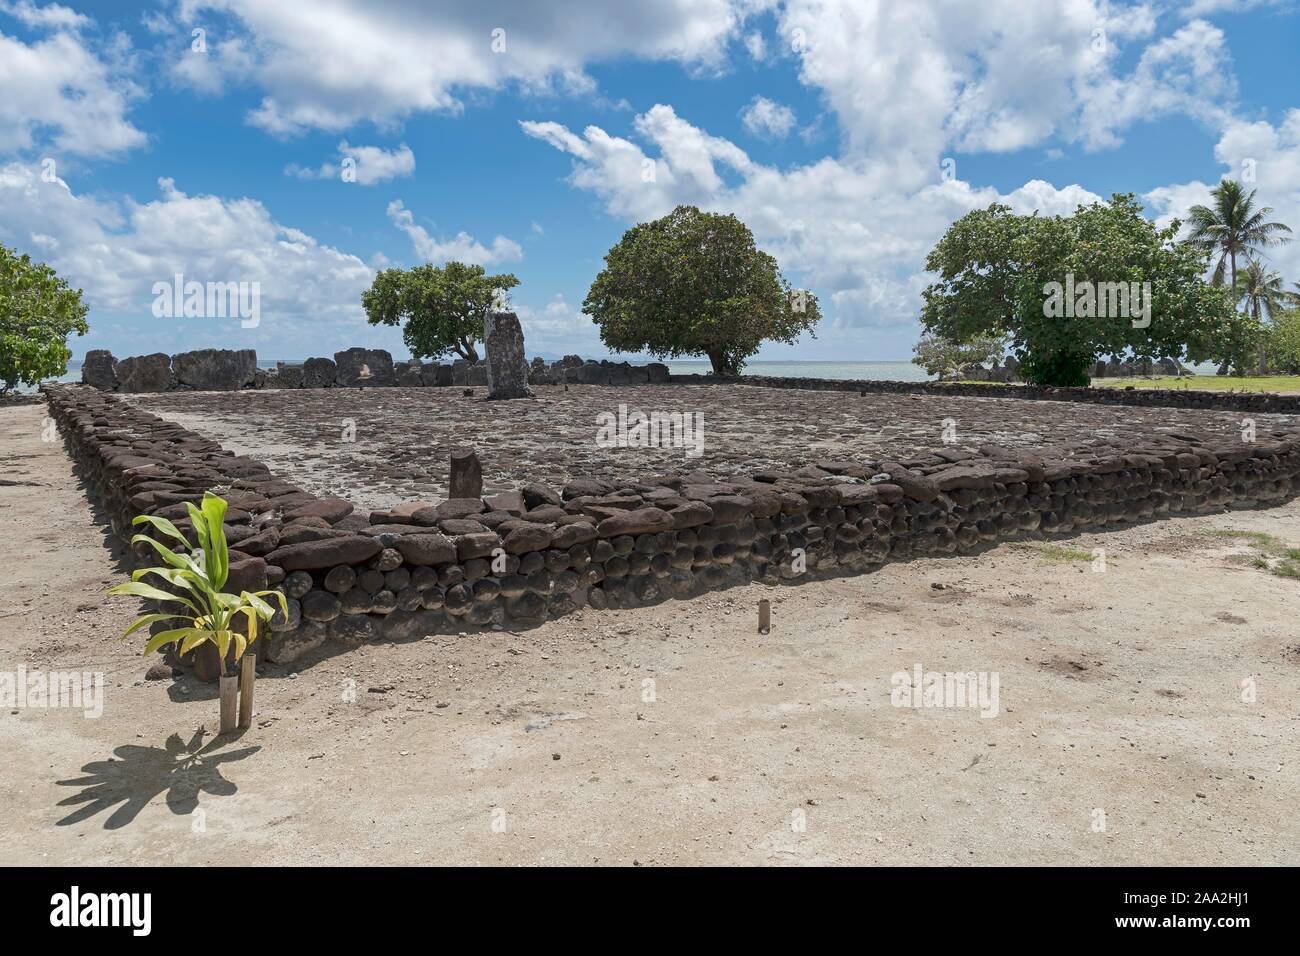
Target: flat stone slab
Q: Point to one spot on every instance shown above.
(403, 437)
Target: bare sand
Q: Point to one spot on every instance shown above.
(1120, 692)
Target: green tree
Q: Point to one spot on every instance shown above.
(945, 358)
(1066, 289)
(694, 283)
(1233, 227)
(1263, 297)
(38, 311)
(1284, 342)
(442, 308)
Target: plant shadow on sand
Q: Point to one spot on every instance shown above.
(135, 775)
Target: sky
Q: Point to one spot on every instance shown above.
(303, 147)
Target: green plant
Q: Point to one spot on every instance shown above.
(1057, 285)
(197, 577)
(1232, 227)
(1284, 342)
(38, 311)
(945, 358)
(443, 307)
(694, 283)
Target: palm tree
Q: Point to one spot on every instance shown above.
(1232, 228)
(1264, 297)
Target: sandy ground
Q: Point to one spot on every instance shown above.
(1121, 735)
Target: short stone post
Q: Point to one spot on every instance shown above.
(466, 479)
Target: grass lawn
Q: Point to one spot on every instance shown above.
(1209, 383)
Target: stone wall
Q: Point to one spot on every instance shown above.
(520, 557)
(1148, 397)
(231, 369)
(226, 369)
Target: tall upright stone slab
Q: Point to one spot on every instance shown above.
(359, 367)
(507, 368)
(99, 369)
(215, 370)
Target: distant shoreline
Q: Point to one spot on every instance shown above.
(899, 370)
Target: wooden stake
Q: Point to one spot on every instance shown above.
(247, 674)
(229, 702)
(764, 616)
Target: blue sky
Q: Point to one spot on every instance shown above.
(824, 124)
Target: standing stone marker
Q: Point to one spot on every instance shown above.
(507, 369)
(99, 369)
(466, 475)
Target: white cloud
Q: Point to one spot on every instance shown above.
(559, 327)
(767, 119)
(912, 81)
(209, 69)
(1265, 158)
(367, 165)
(116, 250)
(1200, 8)
(381, 60)
(843, 225)
(463, 248)
(59, 94)
(1188, 72)
(52, 16)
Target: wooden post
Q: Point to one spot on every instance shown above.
(764, 616)
(229, 702)
(247, 674)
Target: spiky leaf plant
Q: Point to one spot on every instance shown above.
(198, 576)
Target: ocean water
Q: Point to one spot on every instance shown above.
(880, 371)
(895, 371)
(867, 371)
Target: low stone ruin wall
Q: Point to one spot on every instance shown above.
(1147, 397)
(229, 370)
(520, 557)
(224, 370)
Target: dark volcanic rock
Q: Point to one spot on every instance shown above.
(507, 369)
(99, 370)
(641, 521)
(331, 509)
(378, 362)
(451, 508)
(145, 373)
(466, 478)
(309, 555)
(215, 370)
(409, 374)
(438, 375)
(319, 373)
(426, 549)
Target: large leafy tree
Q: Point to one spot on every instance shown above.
(441, 309)
(995, 270)
(38, 311)
(694, 283)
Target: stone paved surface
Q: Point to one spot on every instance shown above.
(404, 436)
